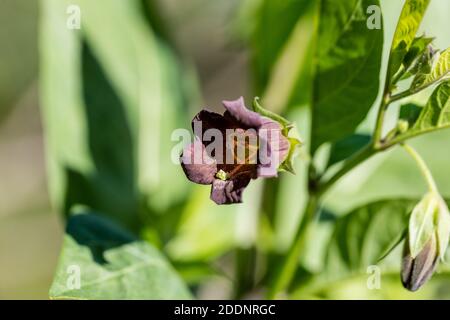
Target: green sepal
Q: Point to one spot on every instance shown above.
(288, 163)
(286, 124)
(286, 127)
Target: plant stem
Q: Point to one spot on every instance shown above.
(350, 164)
(245, 263)
(399, 74)
(380, 119)
(411, 92)
(317, 189)
(287, 271)
(400, 95)
(423, 167)
(378, 144)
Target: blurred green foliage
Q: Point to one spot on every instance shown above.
(17, 39)
(113, 264)
(111, 95)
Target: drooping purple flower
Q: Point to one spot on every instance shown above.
(249, 146)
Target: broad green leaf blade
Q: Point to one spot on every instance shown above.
(104, 94)
(343, 149)
(434, 116)
(410, 112)
(362, 242)
(405, 33)
(440, 72)
(436, 113)
(91, 148)
(274, 23)
(291, 77)
(151, 85)
(358, 240)
(62, 105)
(348, 56)
(111, 264)
(363, 236)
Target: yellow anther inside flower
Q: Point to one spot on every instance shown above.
(222, 175)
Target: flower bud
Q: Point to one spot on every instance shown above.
(402, 126)
(426, 242)
(417, 271)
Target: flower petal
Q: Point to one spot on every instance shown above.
(239, 111)
(417, 271)
(274, 148)
(197, 165)
(229, 191)
(205, 120)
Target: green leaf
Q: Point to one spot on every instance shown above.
(280, 38)
(348, 56)
(410, 113)
(434, 116)
(365, 235)
(111, 264)
(61, 103)
(90, 146)
(362, 238)
(155, 101)
(104, 92)
(273, 23)
(440, 71)
(344, 148)
(358, 240)
(405, 33)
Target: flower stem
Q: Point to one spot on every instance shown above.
(286, 273)
(245, 264)
(423, 167)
